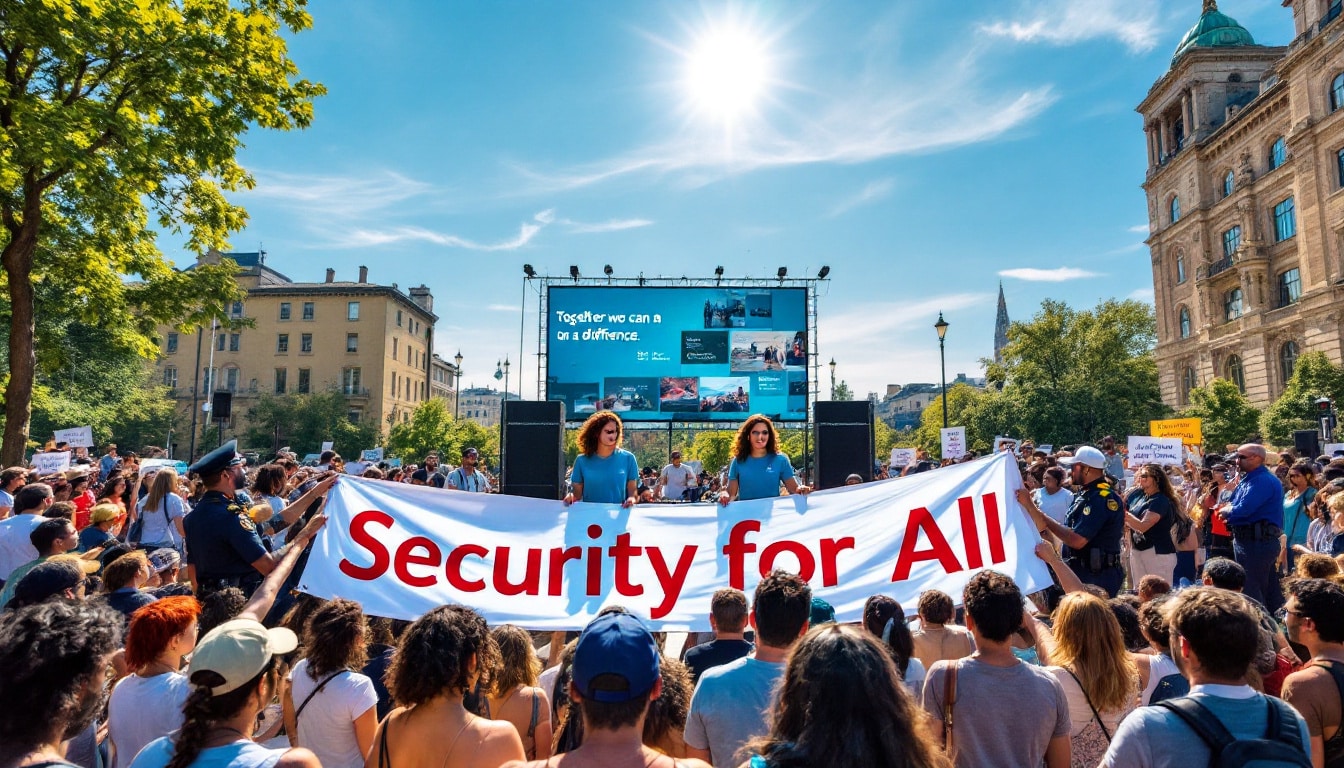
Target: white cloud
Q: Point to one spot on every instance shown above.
(366, 238)
(1140, 229)
(1142, 294)
(335, 197)
(502, 308)
(871, 192)
(1058, 275)
(1134, 23)
(612, 225)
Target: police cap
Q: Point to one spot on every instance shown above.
(221, 458)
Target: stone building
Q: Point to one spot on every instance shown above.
(1245, 173)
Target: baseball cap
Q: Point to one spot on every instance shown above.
(619, 645)
(469, 452)
(1087, 456)
(163, 558)
(113, 551)
(46, 580)
(237, 651)
(676, 454)
(822, 613)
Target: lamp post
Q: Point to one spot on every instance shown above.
(941, 328)
(506, 382)
(832, 366)
(457, 386)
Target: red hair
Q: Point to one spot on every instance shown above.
(155, 625)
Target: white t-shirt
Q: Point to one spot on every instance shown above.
(676, 480)
(914, 678)
(1054, 505)
(157, 529)
(142, 709)
(15, 546)
(327, 725)
(6, 499)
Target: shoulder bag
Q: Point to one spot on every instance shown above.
(949, 698)
(1089, 746)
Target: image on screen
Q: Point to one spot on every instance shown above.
(678, 353)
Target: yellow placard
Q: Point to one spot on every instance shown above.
(1189, 430)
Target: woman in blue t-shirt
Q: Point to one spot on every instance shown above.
(758, 467)
(604, 472)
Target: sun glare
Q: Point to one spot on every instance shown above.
(727, 71)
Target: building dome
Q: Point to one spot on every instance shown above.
(1213, 30)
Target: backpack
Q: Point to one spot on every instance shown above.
(1280, 746)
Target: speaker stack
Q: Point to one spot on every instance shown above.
(532, 450)
(844, 441)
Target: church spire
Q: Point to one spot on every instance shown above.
(1000, 327)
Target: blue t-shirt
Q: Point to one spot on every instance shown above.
(758, 477)
(604, 479)
(240, 754)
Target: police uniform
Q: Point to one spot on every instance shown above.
(222, 540)
(1098, 515)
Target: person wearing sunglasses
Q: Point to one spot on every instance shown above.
(758, 466)
(1255, 517)
(604, 472)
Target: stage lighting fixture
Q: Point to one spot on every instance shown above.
(607, 270)
(718, 271)
(574, 272)
(825, 270)
(783, 272)
(529, 271)
(641, 279)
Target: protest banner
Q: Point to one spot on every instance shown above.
(75, 437)
(1190, 431)
(51, 463)
(1155, 450)
(954, 442)
(401, 550)
(371, 454)
(326, 446)
(902, 457)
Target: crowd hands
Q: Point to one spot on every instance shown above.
(160, 669)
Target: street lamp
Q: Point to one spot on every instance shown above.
(457, 387)
(832, 378)
(941, 328)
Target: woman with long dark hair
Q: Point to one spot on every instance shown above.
(1099, 676)
(1151, 510)
(604, 472)
(331, 707)
(1297, 497)
(758, 467)
(841, 705)
(884, 618)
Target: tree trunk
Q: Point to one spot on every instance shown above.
(18, 264)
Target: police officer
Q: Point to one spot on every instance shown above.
(1095, 522)
(223, 546)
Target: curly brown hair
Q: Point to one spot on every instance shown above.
(668, 712)
(432, 657)
(591, 431)
(334, 638)
(742, 444)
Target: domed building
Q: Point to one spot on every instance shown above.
(1245, 188)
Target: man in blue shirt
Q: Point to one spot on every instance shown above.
(1255, 517)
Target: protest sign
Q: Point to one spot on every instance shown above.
(327, 446)
(51, 463)
(954, 442)
(902, 457)
(371, 454)
(1046, 448)
(356, 467)
(1190, 431)
(1010, 442)
(1155, 450)
(1330, 448)
(76, 437)
(401, 550)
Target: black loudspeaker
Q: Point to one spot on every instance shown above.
(532, 450)
(221, 406)
(1308, 443)
(844, 441)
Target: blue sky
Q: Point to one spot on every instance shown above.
(925, 150)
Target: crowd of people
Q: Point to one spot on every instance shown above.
(157, 625)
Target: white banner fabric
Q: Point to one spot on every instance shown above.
(401, 550)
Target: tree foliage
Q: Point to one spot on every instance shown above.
(842, 391)
(116, 117)
(963, 401)
(1314, 376)
(432, 428)
(1228, 417)
(713, 448)
(305, 421)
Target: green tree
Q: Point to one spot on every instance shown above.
(116, 117)
(305, 421)
(432, 428)
(1314, 376)
(1228, 417)
(842, 391)
(713, 448)
(963, 402)
(884, 439)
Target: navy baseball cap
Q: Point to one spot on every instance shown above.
(620, 646)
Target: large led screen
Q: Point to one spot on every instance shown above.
(678, 354)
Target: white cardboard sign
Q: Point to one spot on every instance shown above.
(51, 463)
(954, 442)
(76, 437)
(1155, 450)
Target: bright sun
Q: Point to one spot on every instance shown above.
(726, 74)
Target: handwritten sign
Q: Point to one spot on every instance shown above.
(76, 437)
(902, 457)
(1155, 450)
(327, 446)
(954, 442)
(51, 463)
(1001, 442)
(371, 454)
(1190, 431)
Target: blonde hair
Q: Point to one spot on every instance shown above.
(518, 662)
(163, 485)
(1089, 644)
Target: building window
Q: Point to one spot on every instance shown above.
(307, 310)
(306, 344)
(305, 377)
(1188, 382)
(172, 343)
(1185, 323)
(207, 380)
(1278, 153)
(284, 310)
(355, 415)
(170, 377)
(1229, 184)
(394, 383)
(1232, 304)
(231, 377)
(1175, 209)
(352, 342)
(281, 378)
(1337, 92)
(1285, 223)
(1339, 166)
(1180, 267)
(1290, 287)
(1235, 374)
(350, 381)
(1287, 360)
(220, 340)
(235, 341)
(236, 310)
(1231, 241)
(398, 318)
(394, 346)
(282, 343)
(352, 310)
